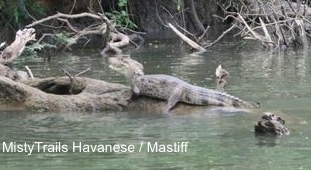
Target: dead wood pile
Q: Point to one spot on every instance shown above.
(276, 23)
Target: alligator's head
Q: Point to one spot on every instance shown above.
(125, 65)
(270, 124)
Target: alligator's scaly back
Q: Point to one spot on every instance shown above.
(172, 89)
(175, 90)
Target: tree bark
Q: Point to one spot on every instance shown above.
(15, 49)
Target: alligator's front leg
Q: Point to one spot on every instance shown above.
(173, 99)
(135, 90)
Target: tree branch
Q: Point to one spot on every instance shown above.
(15, 49)
(59, 15)
(186, 39)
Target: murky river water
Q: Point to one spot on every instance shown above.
(221, 140)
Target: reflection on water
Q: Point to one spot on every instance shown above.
(218, 139)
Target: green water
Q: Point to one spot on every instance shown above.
(221, 139)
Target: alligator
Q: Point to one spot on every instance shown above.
(172, 89)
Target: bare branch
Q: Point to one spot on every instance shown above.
(29, 72)
(267, 35)
(59, 15)
(82, 72)
(220, 37)
(256, 35)
(186, 39)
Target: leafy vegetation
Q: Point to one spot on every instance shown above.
(16, 13)
(1, 5)
(121, 16)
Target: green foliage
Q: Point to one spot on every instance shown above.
(56, 40)
(121, 16)
(122, 19)
(1, 5)
(122, 3)
(33, 48)
(17, 12)
(65, 38)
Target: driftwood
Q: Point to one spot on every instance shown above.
(13, 51)
(186, 39)
(17, 46)
(118, 41)
(277, 23)
(53, 94)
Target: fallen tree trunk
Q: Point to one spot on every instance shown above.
(51, 94)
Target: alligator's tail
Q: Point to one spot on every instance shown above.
(232, 101)
(203, 96)
(244, 104)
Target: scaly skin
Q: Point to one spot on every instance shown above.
(172, 89)
(175, 90)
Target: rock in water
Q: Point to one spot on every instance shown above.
(272, 125)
